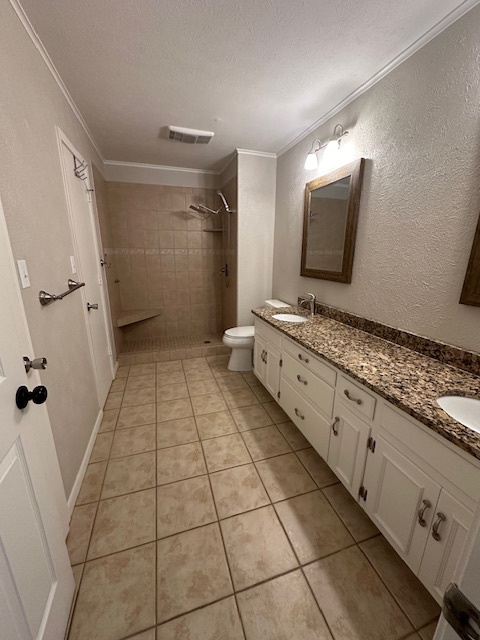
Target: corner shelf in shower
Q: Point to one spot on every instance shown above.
(136, 315)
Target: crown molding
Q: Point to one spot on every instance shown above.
(249, 152)
(35, 38)
(443, 24)
(160, 167)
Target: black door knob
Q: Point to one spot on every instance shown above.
(23, 396)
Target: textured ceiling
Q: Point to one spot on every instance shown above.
(257, 73)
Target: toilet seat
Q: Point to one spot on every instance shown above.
(240, 332)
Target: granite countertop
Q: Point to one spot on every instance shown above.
(410, 381)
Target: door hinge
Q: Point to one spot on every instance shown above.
(100, 279)
(371, 444)
(109, 351)
(281, 362)
(278, 394)
(363, 493)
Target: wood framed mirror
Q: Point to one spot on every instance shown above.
(330, 220)
(471, 285)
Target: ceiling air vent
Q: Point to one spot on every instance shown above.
(191, 136)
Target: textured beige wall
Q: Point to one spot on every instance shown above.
(165, 260)
(419, 130)
(32, 192)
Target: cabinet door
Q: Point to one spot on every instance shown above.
(259, 351)
(401, 500)
(447, 534)
(347, 453)
(272, 370)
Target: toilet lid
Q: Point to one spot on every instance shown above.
(240, 332)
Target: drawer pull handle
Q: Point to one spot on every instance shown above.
(440, 518)
(300, 357)
(335, 431)
(421, 520)
(351, 398)
(302, 380)
(298, 414)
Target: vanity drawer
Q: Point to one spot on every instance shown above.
(310, 385)
(311, 362)
(311, 423)
(356, 398)
(272, 336)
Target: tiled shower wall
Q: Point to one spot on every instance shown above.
(165, 259)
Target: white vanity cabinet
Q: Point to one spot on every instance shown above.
(267, 356)
(349, 441)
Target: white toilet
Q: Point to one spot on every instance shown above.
(240, 340)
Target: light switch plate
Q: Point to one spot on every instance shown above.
(23, 273)
(73, 264)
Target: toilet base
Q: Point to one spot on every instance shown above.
(241, 359)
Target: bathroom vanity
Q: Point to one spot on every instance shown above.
(369, 409)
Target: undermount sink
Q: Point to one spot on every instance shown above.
(464, 410)
(288, 317)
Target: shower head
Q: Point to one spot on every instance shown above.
(225, 203)
(201, 208)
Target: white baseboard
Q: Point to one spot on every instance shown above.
(83, 467)
(116, 369)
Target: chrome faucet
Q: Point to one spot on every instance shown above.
(311, 301)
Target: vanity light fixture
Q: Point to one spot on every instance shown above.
(311, 161)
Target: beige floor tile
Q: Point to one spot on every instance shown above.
(174, 410)
(140, 382)
(257, 547)
(123, 522)
(277, 414)
(180, 463)
(80, 531)
(251, 379)
(293, 436)
(136, 416)
(92, 483)
(406, 588)
(168, 367)
(199, 374)
(224, 452)
(172, 392)
(240, 398)
(203, 387)
(266, 442)
(184, 505)
(174, 432)
(133, 397)
(211, 403)
(428, 632)
(284, 477)
(317, 467)
(353, 516)
(252, 417)
(109, 420)
(174, 377)
(127, 442)
(413, 636)
(354, 601)
(113, 401)
(218, 361)
(118, 385)
(146, 635)
(218, 621)
(195, 363)
(122, 372)
(238, 490)
(282, 609)
(212, 425)
(125, 475)
(223, 372)
(313, 527)
(192, 571)
(262, 394)
(141, 369)
(117, 596)
(230, 383)
(102, 446)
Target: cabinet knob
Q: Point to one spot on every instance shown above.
(440, 518)
(335, 422)
(421, 512)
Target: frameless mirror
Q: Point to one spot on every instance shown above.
(330, 223)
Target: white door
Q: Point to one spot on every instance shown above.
(36, 581)
(89, 269)
(467, 578)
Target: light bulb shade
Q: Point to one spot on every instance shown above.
(311, 161)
